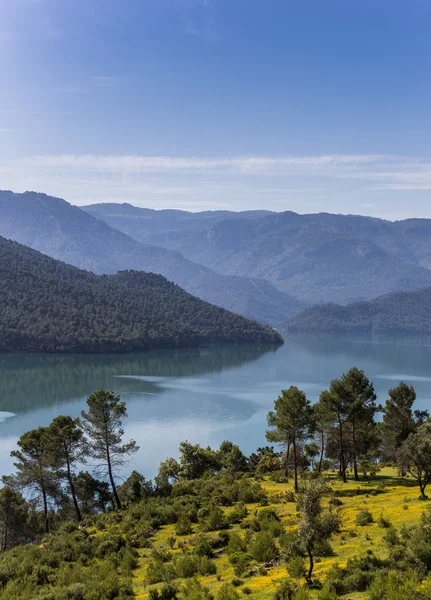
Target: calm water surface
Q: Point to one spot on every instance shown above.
(205, 395)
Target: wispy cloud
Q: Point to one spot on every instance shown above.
(318, 182)
(335, 164)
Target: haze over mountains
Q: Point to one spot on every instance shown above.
(65, 232)
(315, 258)
(265, 266)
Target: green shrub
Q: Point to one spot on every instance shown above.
(166, 592)
(296, 567)
(238, 514)
(383, 522)
(203, 546)
(194, 590)
(240, 562)
(227, 592)
(183, 526)
(395, 585)
(263, 548)
(364, 517)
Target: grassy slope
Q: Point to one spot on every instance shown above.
(399, 503)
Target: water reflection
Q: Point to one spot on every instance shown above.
(204, 395)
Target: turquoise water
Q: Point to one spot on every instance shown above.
(204, 395)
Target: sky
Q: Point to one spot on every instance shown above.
(304, 105)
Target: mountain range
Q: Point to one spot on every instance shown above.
(314, 258)
(266, 266)
(67, 233)
(49, 306)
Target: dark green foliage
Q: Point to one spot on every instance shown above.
(214, 519)
(166, 592)
(183, 526)
(288, 591)
(364, 517)
(291, 423)
(296, 567)
(263, 548)
(103, 424)
(194, 590)
(65, 568)
(48, 306)
(357, 576)
(396, 585)
(227, 592)
(414, 455)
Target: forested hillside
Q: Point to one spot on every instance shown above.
(67, 233)
(316, 257)
(403, 312)
(48, 306)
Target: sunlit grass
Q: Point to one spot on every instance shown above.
(395, 498)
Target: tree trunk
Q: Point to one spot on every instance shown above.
(286, 462)
(295, 466)
(322, 449)
(342, 457)
(355, 462)
(73, 492)
(111, 479)
(311, 567)
(5, 534)
(45, 510)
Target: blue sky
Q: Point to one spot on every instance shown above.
(306, 105)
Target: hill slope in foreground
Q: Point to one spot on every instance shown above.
(131, 554)
(48, 306)
(398, 312)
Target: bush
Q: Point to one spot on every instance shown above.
(240, 562)
(183, 526)
(194, 590)
(238, 514)
(247, 591)
(291, 545)
(287, 591)
(214, 520)
(323, 548)
(290, 496)
(166, 592)
(203, 546)
(227, 592)
(263, 548)
(364, 518)
(395, 585)
(328, 593)
(237, 582)
(383, 522)
(296, 567)
(236, 544)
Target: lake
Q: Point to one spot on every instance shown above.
(204, 395)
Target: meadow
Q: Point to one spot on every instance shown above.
(389, 498)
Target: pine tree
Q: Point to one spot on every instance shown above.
(67, 447)
(103, 424)
(292, 422)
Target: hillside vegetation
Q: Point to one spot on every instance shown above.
(401, 312)
(48, 306)
(340, 510)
